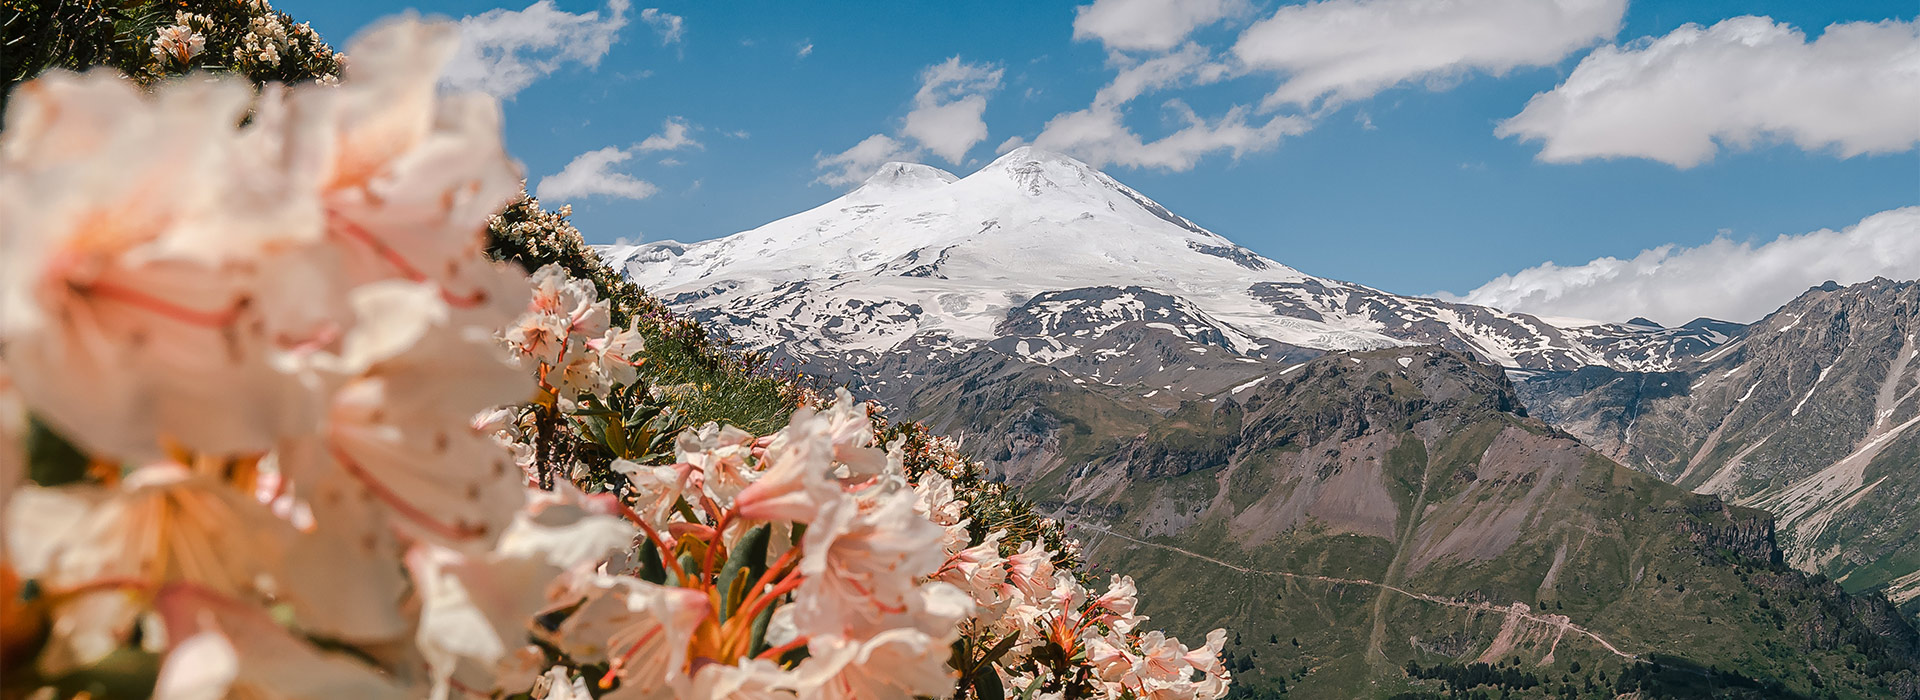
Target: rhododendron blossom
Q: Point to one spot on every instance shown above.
(295, 434)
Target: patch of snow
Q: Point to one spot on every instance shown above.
(1406, 362)
(1249, 385)
(1811, 389)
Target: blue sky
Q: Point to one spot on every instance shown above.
(1404, 186)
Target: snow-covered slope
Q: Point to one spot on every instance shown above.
(1038, 245)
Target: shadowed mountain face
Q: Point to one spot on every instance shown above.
(1813, 413)
(1396, 507)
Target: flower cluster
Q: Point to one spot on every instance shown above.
(259, 348)
(177, 45)
(290, 432)
(245, 36)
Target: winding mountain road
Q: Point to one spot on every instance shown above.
(1559, 622)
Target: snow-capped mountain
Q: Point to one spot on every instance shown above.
(1043, 257)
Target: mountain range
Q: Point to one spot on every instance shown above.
(1381, 491)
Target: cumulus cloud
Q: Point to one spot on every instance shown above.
(1153, 25)
(503, 51)
(1098, 137)
(671, 27)
(1723, 279)
(948, 119)
(1346, 50)
(674, 135)
(948, 111)
(1678, 98)
(854, 165)
(593, 174)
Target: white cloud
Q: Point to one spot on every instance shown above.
(1100, 136)
(502, 51)
(1097, 136)
(1192, 64)
(671, 27)
(674, 135)
(1679, 97)
(947, 120)
(1345, 50)
(592, 173)
(854, 165)
(1723, 279)
(1155, 25)
(806, 49)
(948, 111)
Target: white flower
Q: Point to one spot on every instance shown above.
(895, 664)
(474, 611)
(221, 649)
(864, 558)
(163, 525)
(720, 452)
(134, 310)
(409, 175)
(177, 44)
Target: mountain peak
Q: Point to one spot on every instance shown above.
(898, 175)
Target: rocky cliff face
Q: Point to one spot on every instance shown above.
(1398, 506)
(1813, 413)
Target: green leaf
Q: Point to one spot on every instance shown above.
(986, 684)
(690, 565)
(747, 561)
(51, 460)
(652, 569)
(759, 636)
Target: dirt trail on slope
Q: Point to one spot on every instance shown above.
(1519, 610)
(1397, 569)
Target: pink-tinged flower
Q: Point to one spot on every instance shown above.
(616, 352)
(474, 610)
(656, 489)
(344, 580)
(1031, 570)
(1116, 606)
(221, 648)
(798, 479)
(720, 452)
(864, 556)
(133, 311)
(565, 528)
(851, 432)
(411, 174)
(400, 424)
(163, 525)
(177, 44)
(897, 663)
(936, 502)
(979, 570)
(643, 630)
(563, 311)
(1108, 656)
(752, 679)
